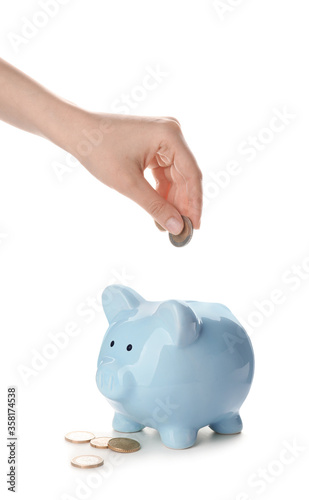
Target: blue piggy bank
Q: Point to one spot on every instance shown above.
(175, 366)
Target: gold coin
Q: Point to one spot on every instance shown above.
(101, 442)
(182, 239)
(123, 445)
(159, 226)
(79, 437)
(87, 461)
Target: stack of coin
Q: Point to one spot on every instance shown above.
(121, 445)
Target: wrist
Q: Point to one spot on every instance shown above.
(60, 122)
(76, 130)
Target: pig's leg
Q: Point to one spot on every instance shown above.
(229, 424)
(125, 424)
(178, 438)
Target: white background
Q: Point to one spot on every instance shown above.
(64, 238)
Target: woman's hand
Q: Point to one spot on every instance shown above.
(117, 149)
(114, 148)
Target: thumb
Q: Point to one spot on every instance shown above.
(160, 209)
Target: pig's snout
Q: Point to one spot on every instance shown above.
(108, 380)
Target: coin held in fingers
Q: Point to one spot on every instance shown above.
(123, 445)
(87, 461)
(182, 239)
(159, 226)
(101, 442)
(79, 437)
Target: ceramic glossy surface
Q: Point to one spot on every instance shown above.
(175, 366)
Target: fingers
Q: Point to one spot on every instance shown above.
(163, 185)
(186, 177)
(195, 201)
(181, 185)
(186, 165)
(160, 209)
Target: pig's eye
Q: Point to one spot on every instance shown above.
(129, 347)
(112, 343)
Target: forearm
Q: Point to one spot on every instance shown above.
(26, 104)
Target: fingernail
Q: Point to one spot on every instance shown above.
(174, 225)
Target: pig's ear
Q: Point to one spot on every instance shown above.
(180, 321)
(119, 300)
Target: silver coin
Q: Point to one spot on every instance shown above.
(79, 436)
(100, 442)
(87, 461)
(182, 239)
